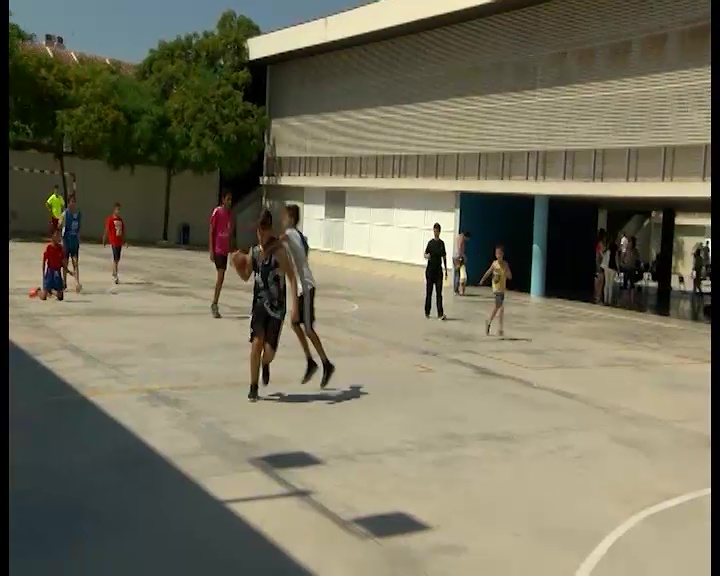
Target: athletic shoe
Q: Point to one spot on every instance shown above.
(312, 367)
(266, 374)
(328, 371)
(253, 395)
(487, 328)
(115, 279)
(443, 317)
(215, 311)
(501, 333)
(427, 315)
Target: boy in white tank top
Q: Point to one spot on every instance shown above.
(297, 247)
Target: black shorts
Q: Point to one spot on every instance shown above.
(221, 261)
(264, 325)
(117, 252)
(306, 309)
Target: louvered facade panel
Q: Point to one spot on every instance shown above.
(566, 74)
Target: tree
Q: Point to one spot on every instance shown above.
(183, 108)
(113, 118)
(163, 73)
(215, 126)
(40, 88)
(204, 123)
(17, 77)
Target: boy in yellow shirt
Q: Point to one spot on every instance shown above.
(500, 272)
(55, 204)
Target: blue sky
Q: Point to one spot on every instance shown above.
(127, 29)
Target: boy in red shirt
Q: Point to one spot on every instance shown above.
(115, 231)
(52, 265)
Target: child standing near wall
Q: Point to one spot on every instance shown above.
(500, 272)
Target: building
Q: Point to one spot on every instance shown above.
(54, 47)
(527, 123)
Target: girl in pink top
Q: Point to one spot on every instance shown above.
(221, 232)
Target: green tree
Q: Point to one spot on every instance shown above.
(112, 120)
(204, 122)
(40, 88)
(17, 80)
(163, 73)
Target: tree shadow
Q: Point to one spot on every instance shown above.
(89, 497)
(352, 393)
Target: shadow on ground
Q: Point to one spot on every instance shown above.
(89, 497)
(352, 393)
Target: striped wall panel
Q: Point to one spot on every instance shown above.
(563, 74)
(651, 164)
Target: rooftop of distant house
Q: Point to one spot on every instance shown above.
(54, 46)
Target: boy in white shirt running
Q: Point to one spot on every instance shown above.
(297, 247)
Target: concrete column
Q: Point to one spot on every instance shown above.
(457, 214)
(539, 248)
(664, 262)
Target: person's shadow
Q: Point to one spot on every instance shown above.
(329, 396)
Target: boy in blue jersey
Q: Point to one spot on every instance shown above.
(70, 222)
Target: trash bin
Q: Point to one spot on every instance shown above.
(183, 234)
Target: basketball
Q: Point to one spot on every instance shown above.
(241, 263)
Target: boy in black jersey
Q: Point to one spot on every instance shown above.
(271, 266)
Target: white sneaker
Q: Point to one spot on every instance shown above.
(115, 279)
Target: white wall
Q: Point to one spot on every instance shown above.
(390, 225)
(141, 193)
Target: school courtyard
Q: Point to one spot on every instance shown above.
(579, 444)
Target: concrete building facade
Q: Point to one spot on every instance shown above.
(516, 120)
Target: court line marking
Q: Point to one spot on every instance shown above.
(601, 549)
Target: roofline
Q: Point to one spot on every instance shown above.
(322, 35)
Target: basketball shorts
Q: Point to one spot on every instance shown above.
(266, 326)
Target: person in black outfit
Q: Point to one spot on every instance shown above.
(436, 262)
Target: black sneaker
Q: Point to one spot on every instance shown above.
(312, 367)
(253, 395)
(487, 328)
(266, 374)
(328, 371)
(427, 315)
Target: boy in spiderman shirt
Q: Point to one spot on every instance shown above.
(52, 266)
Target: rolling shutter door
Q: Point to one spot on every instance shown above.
(564, 74)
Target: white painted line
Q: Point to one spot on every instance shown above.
(601, 549)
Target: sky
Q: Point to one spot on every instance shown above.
(127, 29)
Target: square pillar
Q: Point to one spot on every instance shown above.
(665, 261)
(539, 247)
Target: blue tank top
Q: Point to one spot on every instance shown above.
(71, 225)
(269, 286)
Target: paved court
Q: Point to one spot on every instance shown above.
(438, 451)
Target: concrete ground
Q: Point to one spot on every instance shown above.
(436, 451)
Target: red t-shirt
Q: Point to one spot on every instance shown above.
(54, 256)
(116, 230)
